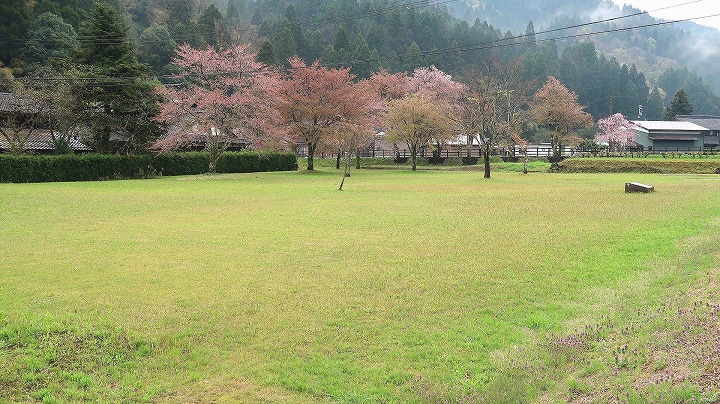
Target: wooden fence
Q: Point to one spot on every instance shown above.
(532, 151)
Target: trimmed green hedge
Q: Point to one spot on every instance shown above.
(624, 165)
(92, 167)
(71, 167)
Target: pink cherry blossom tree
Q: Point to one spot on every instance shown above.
(315, 102)
(616, 131)
(227, 96)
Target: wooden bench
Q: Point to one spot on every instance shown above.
(638, 187)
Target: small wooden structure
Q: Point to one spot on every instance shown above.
(638, 187)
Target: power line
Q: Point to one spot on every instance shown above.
(505, 42)
(495, 44)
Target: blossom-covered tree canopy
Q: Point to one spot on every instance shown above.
(228, 96)
(315, 102)
(616, 131)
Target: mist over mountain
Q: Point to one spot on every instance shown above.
(616, 71)
(653, 50)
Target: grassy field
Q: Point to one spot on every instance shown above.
(406, 287)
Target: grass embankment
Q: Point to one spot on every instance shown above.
(405, 287)
(709, 165)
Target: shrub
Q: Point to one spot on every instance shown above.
(453, 161)
(181, 163)
(621, 165)
(93, 167)
(70, 167)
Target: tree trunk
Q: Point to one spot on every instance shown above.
(213, 158)
(486, 160)
(347, 171)
(214, 150)
(311, 155)
(337, 161)
(413, 154)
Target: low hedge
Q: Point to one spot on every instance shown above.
(92, 167)
(622, 165)
(73, 167)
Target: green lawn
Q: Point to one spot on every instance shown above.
(408, 286)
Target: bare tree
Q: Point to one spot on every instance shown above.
(22, 112)
(490, 107)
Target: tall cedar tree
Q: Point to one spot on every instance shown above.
(557, 108)
(212, 27)
(120, 99)
(680, 105)
(315, 101)
(229, 98)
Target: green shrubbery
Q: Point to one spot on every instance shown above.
(91, 167)
(71, 167)
(621, 165)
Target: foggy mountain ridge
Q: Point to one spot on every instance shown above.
(653, 50)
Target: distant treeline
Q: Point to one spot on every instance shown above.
(367, 35)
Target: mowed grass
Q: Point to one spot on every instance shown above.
(407, 286)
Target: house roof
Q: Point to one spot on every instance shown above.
(676, 138)
(11, 103)
(668, 126)
(706, 121)
(42, 140)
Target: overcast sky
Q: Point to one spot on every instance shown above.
(696, 9)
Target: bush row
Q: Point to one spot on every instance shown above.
(615, 165)
(92, 167)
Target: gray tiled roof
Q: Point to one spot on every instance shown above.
(42, 140)
(11, 103)
(706, 121)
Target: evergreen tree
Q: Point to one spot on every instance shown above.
(654, 109)
(412, 59)
(156, 48)
(15, 17)
(232, 14)
(212, 27)
(51, 43)
(257, 18)
(330, 56)
(680, 105)
(266, 53)
(183, 28)
(120, 99)
(316, 44)
(342, 41)
(72, 12)
(364, 61)
(530, 35)
(296, 30)
(285, 46)
(377, 38)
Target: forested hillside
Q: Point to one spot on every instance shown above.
(613, 72)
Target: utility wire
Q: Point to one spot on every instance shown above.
(495, 44)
